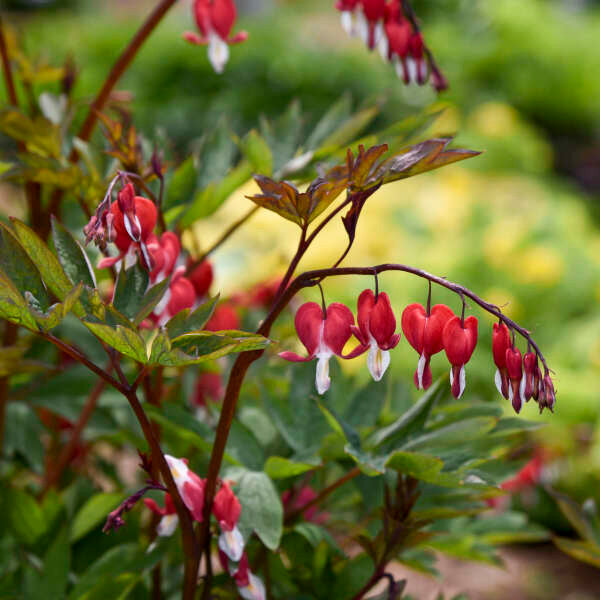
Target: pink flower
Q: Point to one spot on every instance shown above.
(530, 372)
(459, 341)
(202, 278)
(209, 386)
(249, 585)
(224, 318)
(374, 11)
(169, 521)
(323, 335)
(164, 254)
(215, 20)
(295, 501)
(500, 344)
(514, 368)
(375, 331)
(189, 486)
(227, 510)
(348, 16)
(424, 333)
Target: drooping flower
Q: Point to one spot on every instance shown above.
(227, 510)
(180, 295)
(530, 368)
(202, 278)
(374, 12)
(500, 344)
(129, 223)
(225, 317)
(189, 485)
(375, 331)
(395, 44)
(169, 521)
(459, 339)
(424, 334)
(348, 16)
(323, 335)
(514, 368)
(547, 395)
(164, 253)
(215, 20)
(249, 585)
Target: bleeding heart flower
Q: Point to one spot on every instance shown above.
(249, 585)
(227, 510)
(459, 341)
(375, 331)
(189, 485)
(223, 319)
(514, 367)
(323, 336)
(416, 64)
(202, 278)
(530, 367)
(164, 253)
(169, 521)
(215, 20)
(500, 344)
(348, 16)
(424, 334)
(374, 12)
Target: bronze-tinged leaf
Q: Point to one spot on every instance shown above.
(322, 192)
(280, 197)
(419, 158)
(364, 164)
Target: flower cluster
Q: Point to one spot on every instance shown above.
(215, 20)
(386, 25)
(325, 332)
(519, 377)
(129, 223)
(249, 585)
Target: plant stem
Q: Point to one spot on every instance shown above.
(6, 69)
(54, 473)
(324, 493)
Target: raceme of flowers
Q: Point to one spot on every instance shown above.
(385, 25)
(324, 331)
(227, 511)
(215, 20)
(129, 223)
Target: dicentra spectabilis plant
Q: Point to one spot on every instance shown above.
(298, 480)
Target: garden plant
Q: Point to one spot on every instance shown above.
(255, 475)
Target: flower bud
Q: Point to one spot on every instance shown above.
(514, 367)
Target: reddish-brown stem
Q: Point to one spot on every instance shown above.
(6, 69)
(9, 338)
(115, 74)
(324, 494)
(79, 356)
(54, 473)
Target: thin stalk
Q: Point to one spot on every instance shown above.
(6, 69)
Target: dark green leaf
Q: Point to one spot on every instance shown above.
(17, 265)
(576, 516)
(57, 312)
(262, 510)
(24, 516)
(23, 434)
(72, 256)
(150, 299)
(366, 405)
(130, 288)
(184, 322)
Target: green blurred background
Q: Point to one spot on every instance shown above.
(520, 225)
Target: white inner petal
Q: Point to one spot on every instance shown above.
(255, 590)
(383, 47)
(377, 361)
(322, 379)
(167, 525)
(412, 69)
(463, 380)
(347, 22)
(522, 388)
(498, 381)
(218, 52)
(232, 544)
(421, 370)
(128, 227)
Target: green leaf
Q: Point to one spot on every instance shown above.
(150, 299)
(93, 513)
(55, 572)
(72, 256)
(340, 426)
(23, 434)
(330, 121)
(262, 510)
(24, 516)
(348, 130)
(184, 322)
(257, 152)
(422, 466)
(17, 265)
(46, 262)
(315, 534)
(411, 422)
(586, 552)
(57, 312)
(371, 465)
(116, 588)
(453, 434)
(40, 136)
(130, 288)
(244, 447)
(182, 185)
(283, 135)
(575, 515)
(193, 348)
(365, 406)
(13, 306)
(510, 425)
(278, 467)
(352, 577)
(126, 341)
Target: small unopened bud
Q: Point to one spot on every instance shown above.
(549, 397)
(529, 367)
(157, 163)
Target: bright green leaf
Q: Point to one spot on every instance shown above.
(93, 513)
(72, 256)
